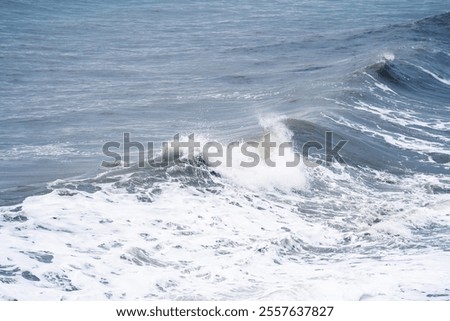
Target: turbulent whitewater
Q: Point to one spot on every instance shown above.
(76, 75)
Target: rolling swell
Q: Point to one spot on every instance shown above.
(394, 111)
(375, 228)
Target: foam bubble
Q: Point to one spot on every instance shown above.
(388, 56)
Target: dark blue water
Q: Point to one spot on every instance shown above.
(75, 75)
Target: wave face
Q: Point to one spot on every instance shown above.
(77, 75)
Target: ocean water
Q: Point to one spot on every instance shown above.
(75, 75)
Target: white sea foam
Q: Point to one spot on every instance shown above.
(436, 143)
(437, 77)
(388, 56)
(383, 87)
(263, 176)
(229, 242)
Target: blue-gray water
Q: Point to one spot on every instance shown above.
(74, 75)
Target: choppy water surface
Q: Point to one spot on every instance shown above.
(76, 75)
